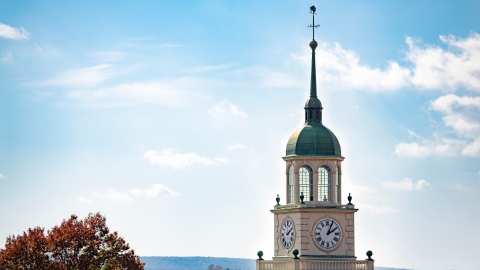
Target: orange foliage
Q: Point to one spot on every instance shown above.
(75, 244)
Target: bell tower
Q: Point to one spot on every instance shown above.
(313, 227)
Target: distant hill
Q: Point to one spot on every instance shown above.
(202, 263)
(196, 263)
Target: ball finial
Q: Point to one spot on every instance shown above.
(295, 253)
(260, 254)
(369, 254)
(313, 44)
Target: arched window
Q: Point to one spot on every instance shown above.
(324, 183)
(306, 182)
(291, 186)
(337, 185)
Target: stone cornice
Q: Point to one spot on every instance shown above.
(288, 158)
(312, 208)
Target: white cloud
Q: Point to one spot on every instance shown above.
(436, 146)
(412, 133)
(447, 147)
(82, 199)
(83, 85)
(377, 210)
(113, 195)
(2, 176)
(174, 94)
(436, 68)
(154, 191)
(460, 114)
(473, 149)
(411, 150)
(170, 158)
(236, 146)
(8, 32)
(7, 57)
(426, 67)
(225, 107)
(422, 185)
(342, 66)
(88, 77)
(407, 184)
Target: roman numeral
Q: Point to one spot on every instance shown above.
(319, 239)
(335, 239)
(322, 243)
(337, 233)
(328, 244)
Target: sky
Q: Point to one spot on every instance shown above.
(171, 118)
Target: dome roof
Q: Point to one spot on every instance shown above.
(313, 139)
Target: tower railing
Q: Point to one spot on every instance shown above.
(314, 265)
(327, 265)
(274, 265)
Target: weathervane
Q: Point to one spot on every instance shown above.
(312, 10)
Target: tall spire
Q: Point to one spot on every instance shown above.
(313, 45)
(313, 106)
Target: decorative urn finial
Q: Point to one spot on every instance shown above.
(278, 200)
(349, 199)
(302, 197)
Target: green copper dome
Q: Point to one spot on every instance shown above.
(313, 139)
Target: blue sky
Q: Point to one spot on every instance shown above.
(171, 118)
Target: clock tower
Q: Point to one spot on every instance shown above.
(313, 229)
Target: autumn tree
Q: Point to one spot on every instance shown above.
(75, 244)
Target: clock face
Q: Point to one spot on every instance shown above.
(327, 234)
(287, 233)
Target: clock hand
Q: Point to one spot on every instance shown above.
(330, 228)
(289, 231)
(329, 232)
